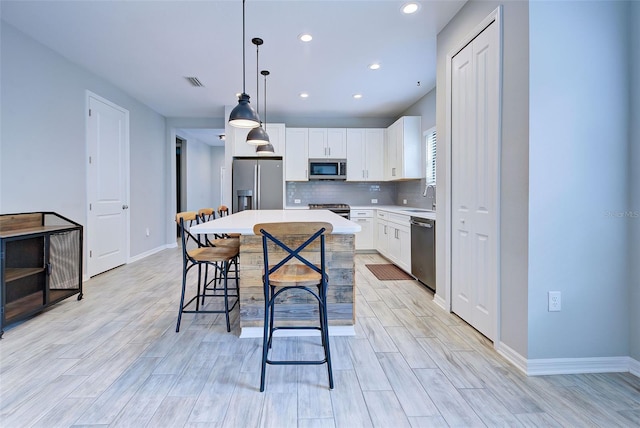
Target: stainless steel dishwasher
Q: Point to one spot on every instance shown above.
(423, 251)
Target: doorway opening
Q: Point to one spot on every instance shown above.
(179, 150)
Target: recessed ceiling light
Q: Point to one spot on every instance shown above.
(305, 37)
(374, 66)
(410, 8)
(357, 96)
(304, 95)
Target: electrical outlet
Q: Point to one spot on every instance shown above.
(555, 301)
(404, 202)
(148, 231)
(296, 201)
(374, 201)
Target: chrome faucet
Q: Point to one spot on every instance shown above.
(430, 193)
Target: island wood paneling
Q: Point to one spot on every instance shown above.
(295, 306)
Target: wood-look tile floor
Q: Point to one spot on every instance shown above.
(114, 359)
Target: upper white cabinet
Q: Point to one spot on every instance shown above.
(296, 159)
(404, 150)
(328, 143)
(365, 154)
(276, 133)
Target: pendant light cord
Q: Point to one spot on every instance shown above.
(244, 72)
(265, 101)
(257, 87)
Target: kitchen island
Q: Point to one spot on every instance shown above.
(340, 265)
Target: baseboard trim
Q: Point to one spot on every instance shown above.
(334, 330)
(564, 366)
(512, 356)
(440, 302)
(551, 366)
(149, 253)
(634, 367)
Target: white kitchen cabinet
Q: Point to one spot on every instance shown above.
(238, 139)
(365, 154)
(382, 233)
(365, 238)
(327, 143)
(394, 238)
(400, 240)
(404, 150)
(296, 159)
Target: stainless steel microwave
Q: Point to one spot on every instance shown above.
(327, 169)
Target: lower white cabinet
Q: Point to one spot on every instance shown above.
(394, 238)
(365, 239)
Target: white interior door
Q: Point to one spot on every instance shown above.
(107, 185)
(475, 181)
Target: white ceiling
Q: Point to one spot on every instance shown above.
(148, 47)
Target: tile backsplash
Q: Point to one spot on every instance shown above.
(340, 192)
(355, 194)
(412, 191)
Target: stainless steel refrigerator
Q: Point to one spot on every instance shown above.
(257, 184)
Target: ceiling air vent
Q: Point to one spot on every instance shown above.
(195, 82)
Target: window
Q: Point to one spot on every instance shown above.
(430, 141)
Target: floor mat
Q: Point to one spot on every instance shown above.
(388, 272)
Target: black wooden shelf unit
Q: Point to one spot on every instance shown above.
(40, 263)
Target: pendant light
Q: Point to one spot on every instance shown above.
(257, 136)
(265, 149)
(243, 115)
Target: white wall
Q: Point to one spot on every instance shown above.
(43, 140)
(217, 163)
(579, 122)
(202, 174)
(634, 175)
(514, 157)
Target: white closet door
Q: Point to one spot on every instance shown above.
(107, 185)
(475, 186)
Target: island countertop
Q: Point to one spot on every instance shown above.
(296, 309)
(243, 222)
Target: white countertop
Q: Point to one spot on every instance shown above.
(244, 221)
(399, 209)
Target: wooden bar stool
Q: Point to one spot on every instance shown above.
(208, 214)
(223, 210)
(215, 240)
(220, 258)
(284, 276)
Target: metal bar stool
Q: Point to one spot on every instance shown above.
(208, 214)
(223, 211)
(284, 276)
(220, 258)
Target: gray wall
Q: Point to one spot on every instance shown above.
(634, 178)
(43, 140)
(513, 163)
(579, 122)
(413, 190)
(202, 181)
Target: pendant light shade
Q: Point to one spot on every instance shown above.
(243, 115)
(257, 136)
(265, 149)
